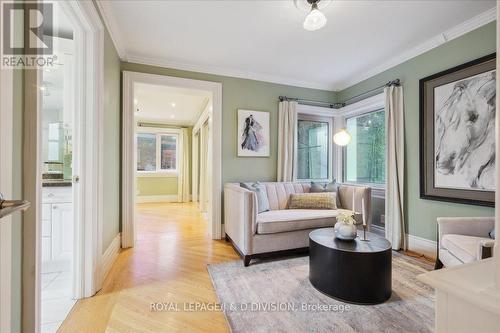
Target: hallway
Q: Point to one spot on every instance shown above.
(168, 265)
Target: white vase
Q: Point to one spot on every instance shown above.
(345, 231)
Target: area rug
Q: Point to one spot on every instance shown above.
(278, 297)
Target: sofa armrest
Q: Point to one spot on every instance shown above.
(485, 249)
(469, 226)
(240, 214)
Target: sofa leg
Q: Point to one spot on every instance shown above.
(439, 264)
(246, 260)
(227, 238)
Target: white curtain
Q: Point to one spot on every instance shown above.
(394, 195)
(184, 175)
(287, 129)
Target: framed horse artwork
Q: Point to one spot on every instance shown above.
(457, 133)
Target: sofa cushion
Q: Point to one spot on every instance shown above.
(325, 200)
(261, 193)
(275, 221)
(464, 248)
(279, 193)
(327, 187)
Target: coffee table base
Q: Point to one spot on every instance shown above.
(353, 277)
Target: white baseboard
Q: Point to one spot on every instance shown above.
(157, 198)
(422, 246)
(414, 243)
(109, 256)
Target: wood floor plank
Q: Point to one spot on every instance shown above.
(168, 264)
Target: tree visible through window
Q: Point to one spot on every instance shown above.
(365, 155)
(312, 149)
(168, 152)
(146, 152)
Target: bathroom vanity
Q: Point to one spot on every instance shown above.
(57, 228)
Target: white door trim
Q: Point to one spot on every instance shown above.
(89, 31)
(128, 158)
(194, 165)
(6, 142)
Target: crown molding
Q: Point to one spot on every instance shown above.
(112, 26)
(438, 40)
(216, 70)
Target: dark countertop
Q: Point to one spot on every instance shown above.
(56, 183)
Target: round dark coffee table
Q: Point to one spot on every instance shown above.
(352, 271)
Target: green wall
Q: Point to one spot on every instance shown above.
(243, 94)
(112, 143)
(421, 214)
(147, 186)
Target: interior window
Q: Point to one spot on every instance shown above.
(364, 160)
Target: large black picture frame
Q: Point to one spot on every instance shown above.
(428, 190)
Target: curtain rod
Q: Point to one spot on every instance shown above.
(143, 124)
(395, 82)
(311, 102)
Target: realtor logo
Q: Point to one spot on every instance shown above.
(23, 42)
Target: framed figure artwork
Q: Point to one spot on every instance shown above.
(253, 133)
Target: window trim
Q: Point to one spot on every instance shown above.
(314, 113)
(159, 132)
(363, 107)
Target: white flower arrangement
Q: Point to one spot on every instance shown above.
(346, 218)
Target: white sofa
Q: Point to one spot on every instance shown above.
(463, 240)
(257, 235)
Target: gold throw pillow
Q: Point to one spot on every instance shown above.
(324, 200)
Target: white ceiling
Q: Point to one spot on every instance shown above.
(264, 40)
(155, 104)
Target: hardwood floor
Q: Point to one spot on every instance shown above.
(168, 265)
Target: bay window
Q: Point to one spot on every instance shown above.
(365, 156)
(314, 148)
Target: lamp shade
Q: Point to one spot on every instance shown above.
(342, 137)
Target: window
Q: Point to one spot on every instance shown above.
(168, 152)
(364, 159)
(156, 152)
(313, 147)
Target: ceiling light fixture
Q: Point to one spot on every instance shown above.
(315, 20)
(136, 101)
(172, 116)
(173, 104)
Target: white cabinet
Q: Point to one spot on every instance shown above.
(57, 229)
(62, 231)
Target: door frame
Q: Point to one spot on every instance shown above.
(6, 160)
(89, 69)
(129, 146)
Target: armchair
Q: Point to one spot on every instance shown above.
(463, 239)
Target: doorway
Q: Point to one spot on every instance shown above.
(58, 189)
(158, 127)
(62, 169)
